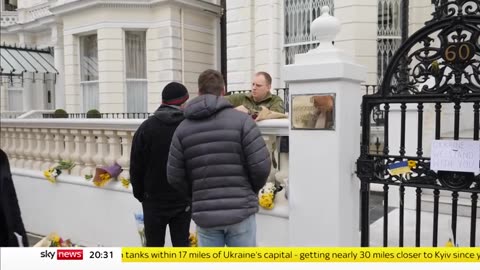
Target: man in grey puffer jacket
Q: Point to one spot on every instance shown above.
(219, 160)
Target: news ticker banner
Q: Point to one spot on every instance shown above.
(255, 258)
(300, 254)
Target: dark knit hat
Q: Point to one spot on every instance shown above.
(174, 94)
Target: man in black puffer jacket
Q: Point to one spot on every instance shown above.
(161, 203)
(219, 159)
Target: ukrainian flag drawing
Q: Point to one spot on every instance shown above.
(399, 168)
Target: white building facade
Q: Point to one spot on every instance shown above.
(265, 35)
(115, 56)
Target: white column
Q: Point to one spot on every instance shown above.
(71, 74)
(359, 19)
(31, 143)
(59, 147)
(67, 154)
(240, 43)
(111, 72)
(87, 158)
(37, 154)
(114, 147)
(13, 146)
(324, 190)
(57, 38)
(420, 11)
(21, 149)
(49, 147)
(3, 94)
(164, 52)
(124, 160)
(25, 39)
(102, 149)
(268, 40)
(77, 155)
(4, 138)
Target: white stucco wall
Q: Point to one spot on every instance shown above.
(255, 36)
(240, 43)
(72, 73)
(29, 3)
(170, 56)
(9, 38)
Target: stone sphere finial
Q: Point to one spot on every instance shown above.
(325, 28)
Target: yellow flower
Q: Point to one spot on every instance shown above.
(103, 179)
(193, 240)
(266, 200)
(49, 175)
(125, 182)
(412, 164)
(56, 238)
(449, 243)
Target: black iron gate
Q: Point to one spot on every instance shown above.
(434, 74)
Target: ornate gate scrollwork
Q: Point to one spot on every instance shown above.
(435, 70)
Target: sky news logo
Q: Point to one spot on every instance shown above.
(63, 254)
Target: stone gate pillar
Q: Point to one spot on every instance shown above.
(324, 191)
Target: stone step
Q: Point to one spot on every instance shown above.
(464, 208)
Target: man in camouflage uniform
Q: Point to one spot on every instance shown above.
(260, 96)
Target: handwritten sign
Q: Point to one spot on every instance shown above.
(457, 156)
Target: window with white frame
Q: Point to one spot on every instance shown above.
(298, 15)
(389, 34)
(89, 72)
(10, 5)
(15, 98)
(136, 71)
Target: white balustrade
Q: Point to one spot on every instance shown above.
(3, 137)
(102, 150)
(49, 148)
(124, 160)
(37, 12)
(87, 158)
(37, 153)
(114, 152)
(21, 149)
(79, 150)
(13, 147)
(69, 145)
(31, 143)
(59, 146)
(8, 18)
(39, 144)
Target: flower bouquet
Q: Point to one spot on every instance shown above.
(52, 173)
(193, 239)
(105, 174)
(54, 240)
(125, 182)
(266, 196)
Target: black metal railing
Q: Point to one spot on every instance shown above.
(378, 115)
(455, 90)
(140, 115)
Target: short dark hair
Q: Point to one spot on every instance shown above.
(211, 82)
(267, 76)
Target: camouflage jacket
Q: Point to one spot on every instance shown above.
(272, 102)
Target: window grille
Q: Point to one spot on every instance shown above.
(299, 14)
(389, 33)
